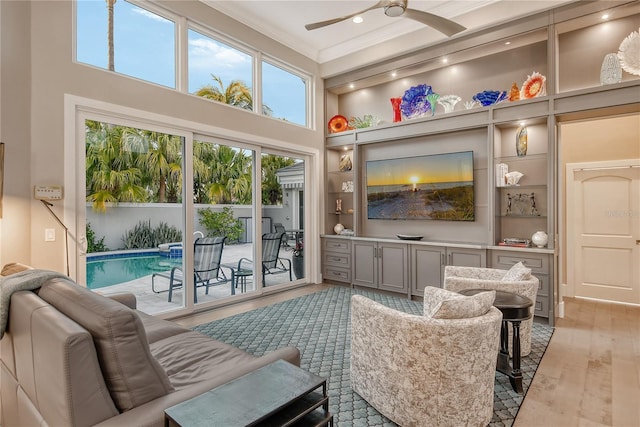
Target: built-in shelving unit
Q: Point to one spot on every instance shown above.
(567, 46)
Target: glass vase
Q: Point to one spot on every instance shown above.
(395, 103)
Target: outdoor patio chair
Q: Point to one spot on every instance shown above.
(271, 261)
(285, 238)
(206, 267)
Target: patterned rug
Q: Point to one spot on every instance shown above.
(319, 325)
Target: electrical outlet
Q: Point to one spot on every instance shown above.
(49, 234)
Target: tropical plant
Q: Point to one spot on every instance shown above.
(111, 173)
(237, 94)
(221, 223)
(230, 179)
(93, 243)
(144, 236)
(271, 188)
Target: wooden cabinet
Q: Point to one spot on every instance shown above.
(336, 259)
(428, 263)
(381, 265)
(541, 265)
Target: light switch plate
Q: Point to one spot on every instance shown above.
(48, 192)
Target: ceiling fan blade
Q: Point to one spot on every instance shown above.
(309, 27)
(436, 22)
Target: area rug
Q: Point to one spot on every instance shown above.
(319, 325)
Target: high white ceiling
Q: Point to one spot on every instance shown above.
(332, 46)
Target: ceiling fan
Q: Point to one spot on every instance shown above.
(395, 8)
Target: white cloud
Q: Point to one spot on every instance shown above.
(205, 54)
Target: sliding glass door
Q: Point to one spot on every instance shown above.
(183, 219)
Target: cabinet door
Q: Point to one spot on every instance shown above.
(393, 269)
(364, 263)
(464, 257)
(427, 267)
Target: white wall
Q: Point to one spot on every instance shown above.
(35, 124)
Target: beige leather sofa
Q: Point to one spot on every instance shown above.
(71, 357)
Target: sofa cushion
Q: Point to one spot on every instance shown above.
(132, 375)
(191, 357)
(517, 273)
(443, 304)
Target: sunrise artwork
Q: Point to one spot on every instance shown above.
(428, 187)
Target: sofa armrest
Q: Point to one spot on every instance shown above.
(125, 298)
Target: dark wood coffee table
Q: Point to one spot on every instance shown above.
(515, 308)
(279, 394)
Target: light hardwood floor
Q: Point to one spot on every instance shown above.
(589, 375)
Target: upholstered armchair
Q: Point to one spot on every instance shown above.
(517, 280)
(435, 369)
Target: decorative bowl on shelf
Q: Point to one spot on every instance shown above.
(408, 237)
(490, 97)
(534, 86)
(415, 103)
(449, 102)
(629, 53)
(338, 123)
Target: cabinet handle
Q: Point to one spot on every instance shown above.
(450, 259)
(375, 252)
(380, 253)
(442, 259)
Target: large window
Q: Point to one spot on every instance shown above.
(220, 72)
(141, 43)
(277, 81)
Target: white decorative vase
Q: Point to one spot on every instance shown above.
(338, 228)
(540, 239)
(611, 70)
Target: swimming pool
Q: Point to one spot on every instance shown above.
(108, 270)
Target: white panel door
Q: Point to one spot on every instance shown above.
(604, 233)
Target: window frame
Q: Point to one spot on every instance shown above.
(182, 25)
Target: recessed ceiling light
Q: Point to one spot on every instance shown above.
(522, 123)
(605, 16)
(507, 43)
(351, 86)
(445, 60)
(358, 19)
(393, 74)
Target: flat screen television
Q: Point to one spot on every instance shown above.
(427, 187)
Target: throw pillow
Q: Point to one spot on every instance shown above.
(444, 304)
(132, 375)
(517, 273)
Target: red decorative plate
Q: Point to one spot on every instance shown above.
(338, 123)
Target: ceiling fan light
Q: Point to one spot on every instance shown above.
(394, 10)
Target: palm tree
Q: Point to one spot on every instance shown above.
(162, 162)
(237, 94)
(110, 4)
(271, 189)
(111, 174)
(230, 180)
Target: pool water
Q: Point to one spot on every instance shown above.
(110, 271)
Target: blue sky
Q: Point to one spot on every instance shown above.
(145, 47)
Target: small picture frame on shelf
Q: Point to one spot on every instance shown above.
(347, 186)
(345, 163)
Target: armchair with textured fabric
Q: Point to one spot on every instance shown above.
(517, 280)
(435, 369)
